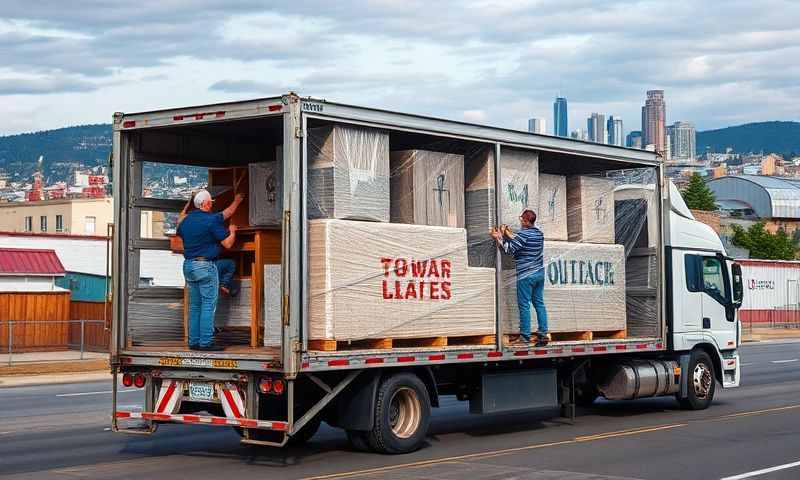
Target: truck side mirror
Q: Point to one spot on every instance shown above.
(738, 288)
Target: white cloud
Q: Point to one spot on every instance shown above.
(485, 61)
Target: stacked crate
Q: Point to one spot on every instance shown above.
(427, 188)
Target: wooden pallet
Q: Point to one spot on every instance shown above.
(577, 336)
(388, 343)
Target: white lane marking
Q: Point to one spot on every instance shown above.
(744, 364)
(105, 392)
(786, 361)
(763, 471)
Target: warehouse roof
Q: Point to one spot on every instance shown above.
(769, 197)
(28, 261)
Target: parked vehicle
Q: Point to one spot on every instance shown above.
(382, 397)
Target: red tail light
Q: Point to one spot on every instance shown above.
(265, 385)
(127, 379)
(277, 386)
(139, 380)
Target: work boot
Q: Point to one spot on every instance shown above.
(521, 341)
(542, 339)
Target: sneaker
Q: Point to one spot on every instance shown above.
(521, 341)
(542, 340)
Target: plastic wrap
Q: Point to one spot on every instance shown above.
(235, 311)
(642, 307)
(590, 209)
(427, 188)
(273, 325)
(377, 280)
(584, 289)
(155, 315)
(266, 193)
(348, 176)
(552, 213)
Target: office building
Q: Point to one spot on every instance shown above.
(560, 127)
(615, 134)
(596, 128)
(682, 141)
(634, 139)
(579, 135)
(78, 216)
(537, 125)
(654, 113)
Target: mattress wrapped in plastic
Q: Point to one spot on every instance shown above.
(427, 188)
(348, 173)
(155, 314)
(272, 306)
(387, 280)
(235, 311)
(584, 289)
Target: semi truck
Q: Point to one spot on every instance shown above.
(278, 384)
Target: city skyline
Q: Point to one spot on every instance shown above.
(654, 121)
(560, 117)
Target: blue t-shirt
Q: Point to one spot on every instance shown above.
(527, 248)
(201, 233)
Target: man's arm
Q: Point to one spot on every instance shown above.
(185, 210)
(228, 212)
(230, 239)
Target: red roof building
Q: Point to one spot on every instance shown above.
(30, 262)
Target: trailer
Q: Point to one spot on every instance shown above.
(280, 376)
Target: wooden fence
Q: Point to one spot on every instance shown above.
(41, 322)
(96, 335)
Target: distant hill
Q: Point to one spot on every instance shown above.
(62, 149)
(767, 137)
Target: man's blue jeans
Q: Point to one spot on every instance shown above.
(530, 289)
(226, 268)
(202, 279)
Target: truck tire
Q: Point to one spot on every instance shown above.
(701, 382)
(359, 440)
(402, 415)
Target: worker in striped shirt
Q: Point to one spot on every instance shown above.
(526, 246)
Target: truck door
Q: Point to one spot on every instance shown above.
(687, 292)
(718, 312)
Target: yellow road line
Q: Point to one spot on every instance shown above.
(507, 451)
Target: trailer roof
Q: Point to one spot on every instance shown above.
(403, 121)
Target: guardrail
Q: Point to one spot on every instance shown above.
(38, 338)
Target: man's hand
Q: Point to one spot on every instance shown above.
(496, 234)
(231, 238)
(507, 231)
(239, 198)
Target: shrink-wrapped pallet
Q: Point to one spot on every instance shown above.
(584, 289)
(388, 280)
(552, 213)
(155, 314)
(636, 212)
(272, 306)
(590, 209)
(265, 198)
(519, 184)
(348, 174)
(427, 188)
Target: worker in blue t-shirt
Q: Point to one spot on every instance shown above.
(203, 232)
(527, 248)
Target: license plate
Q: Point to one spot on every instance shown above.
(201, 391)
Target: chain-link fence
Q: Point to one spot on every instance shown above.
(31, 341)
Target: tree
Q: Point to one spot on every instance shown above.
(762, 244)
(698, 196)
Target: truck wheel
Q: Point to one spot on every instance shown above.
(701, 382)
(359, 440)
(402, 415)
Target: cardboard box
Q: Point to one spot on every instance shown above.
(520, 185)
(552, 212)
(590, 209)
(427, 188)
(389, 280)
(584, 289)
(348, 173)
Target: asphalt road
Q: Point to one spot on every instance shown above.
(61, 432)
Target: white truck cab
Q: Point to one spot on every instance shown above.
(706, 291)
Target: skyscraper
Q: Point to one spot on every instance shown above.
(560, 128)
(537, 125)
(615, 135)
(654, 113)
(682, 141)
(596, 126)
(634, 139)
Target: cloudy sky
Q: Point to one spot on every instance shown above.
(486, 61)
